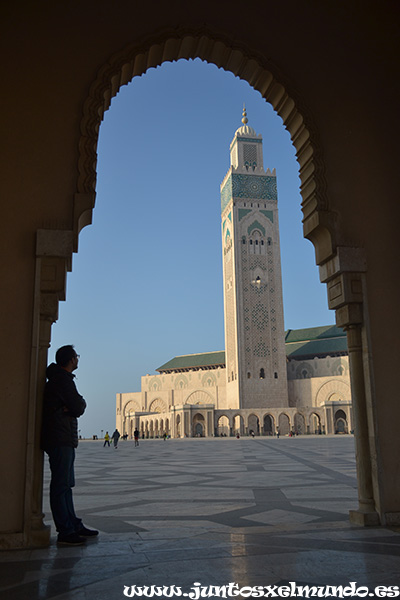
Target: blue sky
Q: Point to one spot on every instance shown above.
(146, 284)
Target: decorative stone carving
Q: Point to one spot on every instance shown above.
(199, 397)
(158, 406)
(131, 406)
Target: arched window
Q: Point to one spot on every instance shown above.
(256, 240)
(262, 374)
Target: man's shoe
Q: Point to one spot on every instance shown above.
(72, 539)
(85, 532)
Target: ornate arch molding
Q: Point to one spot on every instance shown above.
(170, 46)
(158, 406)
(333, 386)
(199, 397)
(130, 406)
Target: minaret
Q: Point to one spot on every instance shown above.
(253, 306)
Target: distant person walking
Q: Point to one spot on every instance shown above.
(115, 437)
(62, 405)
(136, 437)
(106, 439)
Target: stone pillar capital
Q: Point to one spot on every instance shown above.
(54, 250)
(345, 296)
(349, 317)
(345, 260)
(345, 288)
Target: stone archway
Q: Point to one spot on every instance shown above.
(223, 426)
(341, 425)
(299, 423)
(269, 425)
(198, 425)
(342, 268)
(284, 424)
(253, 424)
(238, 425)
(315, 423)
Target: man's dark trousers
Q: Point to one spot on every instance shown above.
(61, 461)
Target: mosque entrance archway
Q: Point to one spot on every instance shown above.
(341, 425)
(198, 425)
(198, 430)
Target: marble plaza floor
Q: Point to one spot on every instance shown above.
(257, 512)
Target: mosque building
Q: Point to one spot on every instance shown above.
(268, 381)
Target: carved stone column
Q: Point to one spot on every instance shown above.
(39, 534)
(344, 275)
(53, 252)
(366, 513)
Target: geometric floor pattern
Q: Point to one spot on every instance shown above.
(257, 512)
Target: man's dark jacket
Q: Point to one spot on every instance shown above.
(62, 405)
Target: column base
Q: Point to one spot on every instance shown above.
(364, 519)
(392, 519)
(40, 538)
(12, 541)
(37, 538)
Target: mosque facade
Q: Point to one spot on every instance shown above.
(267, 381)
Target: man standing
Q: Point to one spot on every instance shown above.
(115, 437)
(136, 437)
(61, 409)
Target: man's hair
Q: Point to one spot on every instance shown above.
(64, 355)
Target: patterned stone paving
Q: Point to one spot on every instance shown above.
(257, 511)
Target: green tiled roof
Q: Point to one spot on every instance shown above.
(193, 361)
(299, 343)
(313, 333)
(315, 341)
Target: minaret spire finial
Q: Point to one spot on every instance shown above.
(244, 114)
